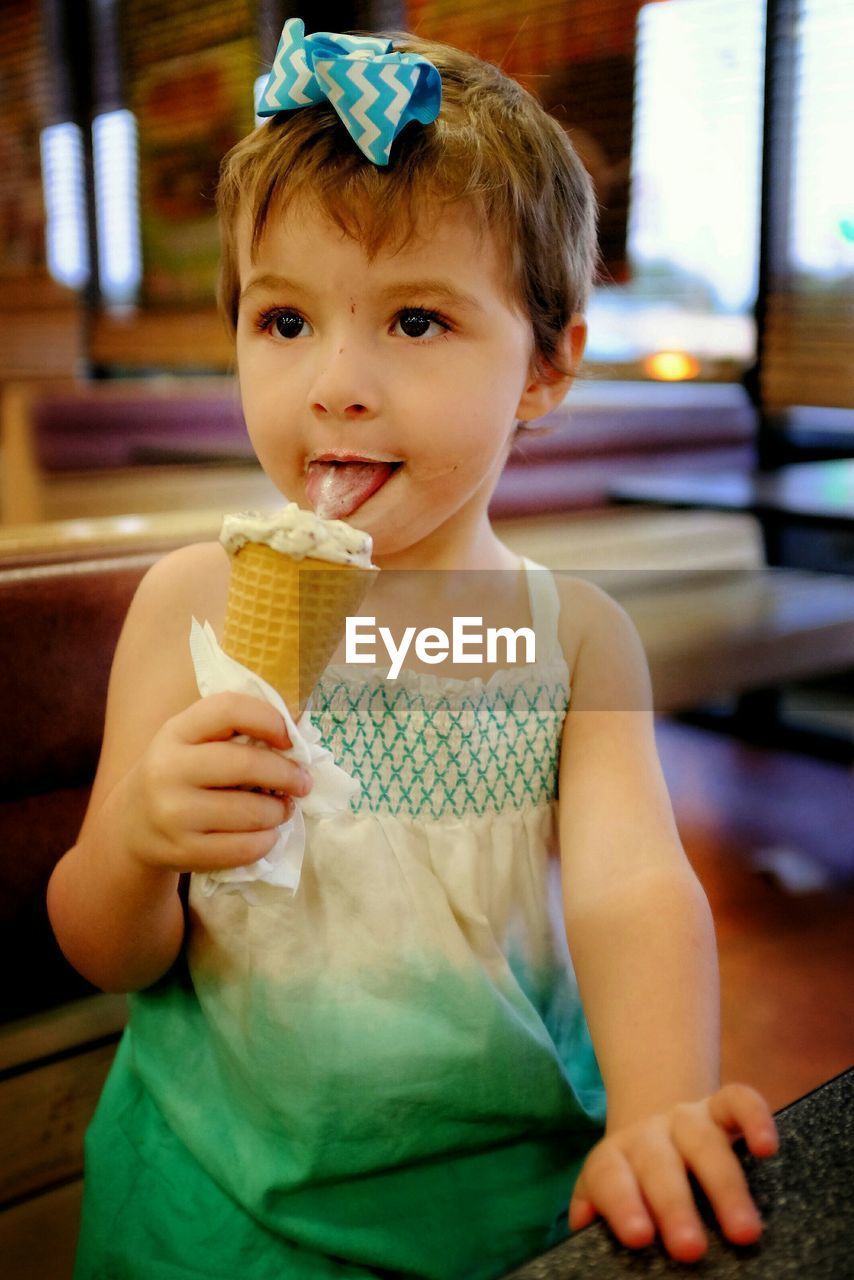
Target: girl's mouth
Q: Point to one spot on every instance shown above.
(336, 488)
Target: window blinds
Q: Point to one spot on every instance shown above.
(809, 342)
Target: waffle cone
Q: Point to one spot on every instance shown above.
(284, 618)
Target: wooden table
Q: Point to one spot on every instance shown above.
(804, 1195)
(814, 495)
(736, 631)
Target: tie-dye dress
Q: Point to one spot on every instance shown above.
(388, 1072)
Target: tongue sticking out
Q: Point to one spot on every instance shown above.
(337, 489)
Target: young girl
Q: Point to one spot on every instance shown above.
(388, 1071)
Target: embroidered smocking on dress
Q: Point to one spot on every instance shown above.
(431, 749)
(389, 1071)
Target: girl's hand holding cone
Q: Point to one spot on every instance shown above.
(199, 801)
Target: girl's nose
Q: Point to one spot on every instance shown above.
(344, 387)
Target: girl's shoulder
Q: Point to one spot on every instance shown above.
(152, 677)
(583, 602)
(601, 645)
(580, 604)
(189, 582)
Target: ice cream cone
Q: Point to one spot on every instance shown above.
(285, 616)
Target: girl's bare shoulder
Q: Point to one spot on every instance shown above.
(152, 677)
(155, 642)
(580, 603)
(190, 582)
(604, 653)
(587, 613)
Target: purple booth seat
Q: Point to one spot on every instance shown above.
(79, 431)
(569, 483)
(568, 462)
(109, 427)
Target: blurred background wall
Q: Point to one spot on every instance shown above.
(115, 114)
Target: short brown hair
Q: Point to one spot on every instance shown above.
(492, 146)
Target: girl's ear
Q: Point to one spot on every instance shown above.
(547, 387)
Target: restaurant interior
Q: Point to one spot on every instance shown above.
(701, 468)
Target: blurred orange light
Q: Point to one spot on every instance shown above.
(671, 366)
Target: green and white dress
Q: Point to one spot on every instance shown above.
(388, 1072)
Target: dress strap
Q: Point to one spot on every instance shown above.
(545, 611)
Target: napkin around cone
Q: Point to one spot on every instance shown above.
(333, 788)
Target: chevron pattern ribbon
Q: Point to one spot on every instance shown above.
(374, 90)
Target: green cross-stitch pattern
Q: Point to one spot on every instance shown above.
(430, 755)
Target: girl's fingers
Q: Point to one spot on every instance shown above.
(611, 1187)
(640, 1183)
(216, 851)
(706, 1149)
(238, 764)
(663, 1180)
(582, 1210)
(222, 715)
(739, 1109)
(235, 811)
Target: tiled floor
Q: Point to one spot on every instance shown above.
(786, 954)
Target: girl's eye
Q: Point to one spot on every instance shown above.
(416, 322)
(283, 324)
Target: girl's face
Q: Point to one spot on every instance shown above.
(384, 393)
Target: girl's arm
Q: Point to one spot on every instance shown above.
(170, 794)
(642, 941)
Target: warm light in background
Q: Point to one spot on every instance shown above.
(671, 366)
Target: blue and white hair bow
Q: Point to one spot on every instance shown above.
(374, 90)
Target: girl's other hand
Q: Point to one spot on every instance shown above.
(199, 801)
(637, 1177)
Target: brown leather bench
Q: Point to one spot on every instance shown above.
(60, 624)
(59, 628)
